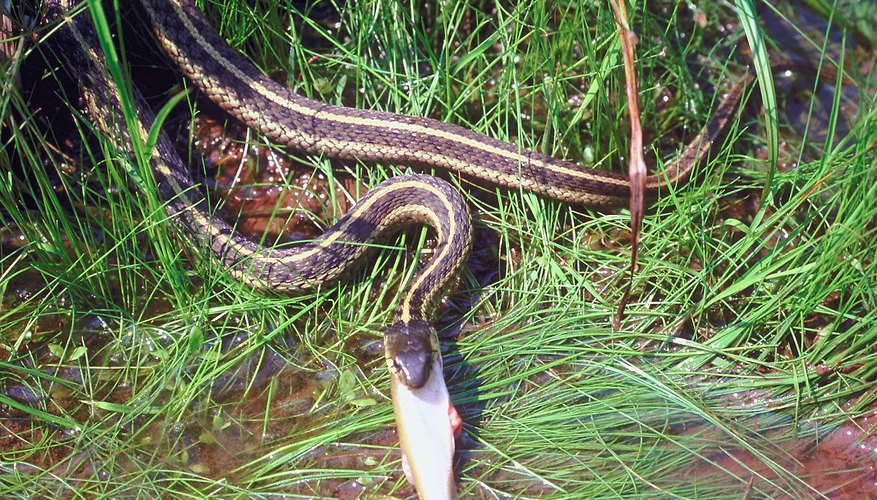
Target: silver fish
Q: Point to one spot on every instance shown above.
(426, 434)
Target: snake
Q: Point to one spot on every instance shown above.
(315, 128)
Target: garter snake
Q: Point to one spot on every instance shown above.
(315, 128)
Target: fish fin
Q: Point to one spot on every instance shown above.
(456, 421)
(406, 469)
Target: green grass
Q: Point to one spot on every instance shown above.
(132, 366)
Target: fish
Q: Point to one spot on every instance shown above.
(427, 424)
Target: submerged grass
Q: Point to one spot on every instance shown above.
(131, 366)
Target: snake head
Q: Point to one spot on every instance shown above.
(410, 350)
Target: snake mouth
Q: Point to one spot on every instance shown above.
(410, 350)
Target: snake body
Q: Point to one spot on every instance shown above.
(316, 128)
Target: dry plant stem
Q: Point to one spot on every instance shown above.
(10, 52)
(637, 168)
